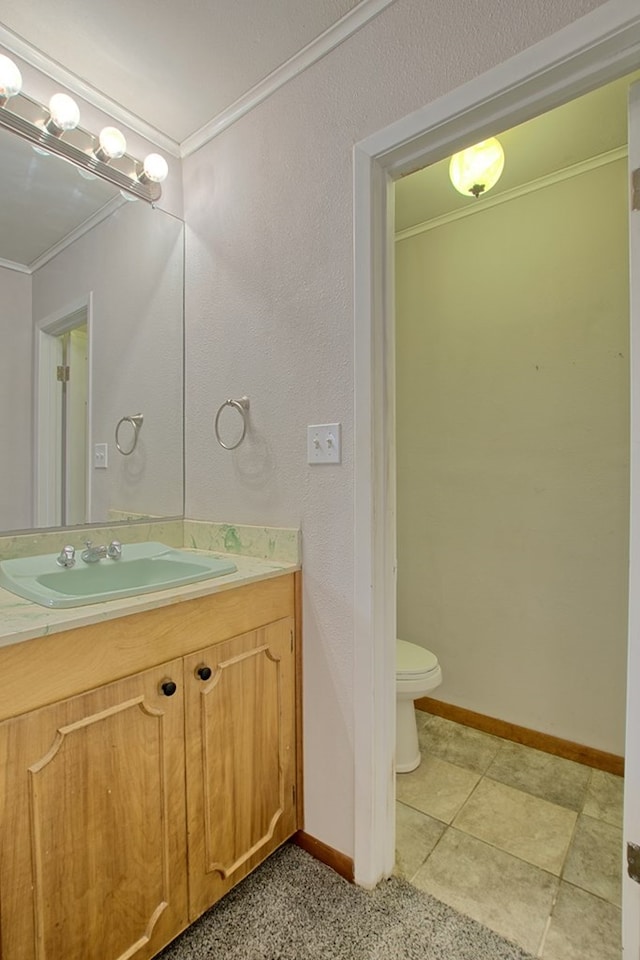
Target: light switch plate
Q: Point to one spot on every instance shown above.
(324, 443)
(100, 456)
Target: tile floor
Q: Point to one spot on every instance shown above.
(527, 843)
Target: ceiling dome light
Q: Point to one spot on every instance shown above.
(10, 79)
(155, 168)
(64, 114)
(112, 144)
(478, 168)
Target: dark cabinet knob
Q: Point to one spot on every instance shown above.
(168, 687)
(204, 672)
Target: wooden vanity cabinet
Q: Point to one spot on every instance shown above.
(93, 823)
(241, 769)
(129, 809)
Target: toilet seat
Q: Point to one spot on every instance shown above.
(413, 662)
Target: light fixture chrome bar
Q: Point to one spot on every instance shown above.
(115, 172)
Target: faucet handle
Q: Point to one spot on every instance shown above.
(114, 550)
(67, 556)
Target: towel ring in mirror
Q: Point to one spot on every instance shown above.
(242, 406)
(136, 422)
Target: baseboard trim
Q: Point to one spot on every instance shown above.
(591, 757)
(339, 862)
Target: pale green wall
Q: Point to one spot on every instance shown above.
(512, 395)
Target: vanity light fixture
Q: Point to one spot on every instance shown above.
(10, 79)
(56, 130)
(478, 168)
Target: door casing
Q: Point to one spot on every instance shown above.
(47, 492)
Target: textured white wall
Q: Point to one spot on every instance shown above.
(16, 380)
(512, 351)
(269, 311)
(133, 264)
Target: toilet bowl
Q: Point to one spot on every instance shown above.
(417, 672)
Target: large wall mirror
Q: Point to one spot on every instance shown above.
(91, 325)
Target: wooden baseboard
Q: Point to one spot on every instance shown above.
(339, 862)
(591, 757)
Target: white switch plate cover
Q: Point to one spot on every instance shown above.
(100, 456)
(324, 443)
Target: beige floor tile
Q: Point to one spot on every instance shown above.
(416, 836)
(525, 826)
(541, 774)
(436, 787)
(604, 797)
(456, 743)
(503, 893)
(594, 862)
(583, 927)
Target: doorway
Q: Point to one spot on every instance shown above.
(62, 418)
(512, 426)
(512, 398)
(580, 58)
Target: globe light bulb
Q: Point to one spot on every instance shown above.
(10, 79)
(112, 144)
(64, 114)
(478, 168)
(155, 168)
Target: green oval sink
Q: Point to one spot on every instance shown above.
(143, 568)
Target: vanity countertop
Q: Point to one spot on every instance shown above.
(22, 620)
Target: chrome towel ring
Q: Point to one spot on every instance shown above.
(242, 406)
(136, 422)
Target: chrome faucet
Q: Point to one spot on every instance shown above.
(92, 554)
(67, 556)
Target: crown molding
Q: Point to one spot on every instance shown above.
(55, 71)
(336, 34)
(12, 265)
(110, 207)
(79, 231)
(566, 173)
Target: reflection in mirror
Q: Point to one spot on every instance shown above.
(91, 294)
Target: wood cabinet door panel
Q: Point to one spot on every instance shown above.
(240, 757)
(92, 858)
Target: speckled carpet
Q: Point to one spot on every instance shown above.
(295, 908)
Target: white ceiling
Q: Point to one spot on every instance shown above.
(174, 65)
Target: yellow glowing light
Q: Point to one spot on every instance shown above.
(475, 170)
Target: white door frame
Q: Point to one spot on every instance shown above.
(598, 48)
(46, 492)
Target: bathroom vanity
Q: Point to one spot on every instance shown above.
(149, 761)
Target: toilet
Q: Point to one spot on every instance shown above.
(417, 672)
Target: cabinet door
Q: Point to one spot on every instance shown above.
(240, 734)
(93, 824)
